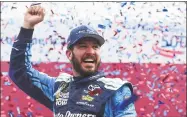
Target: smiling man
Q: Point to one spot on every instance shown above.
(84, 53)
(86, 93)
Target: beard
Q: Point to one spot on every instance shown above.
(78, 68)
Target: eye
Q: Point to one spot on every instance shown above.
(82, 46)
(96, 46)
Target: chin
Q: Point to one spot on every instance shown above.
(89, 72)
(88, 68)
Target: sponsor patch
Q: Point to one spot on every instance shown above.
(62, 95)
(94, 90)
(85, 104)
(69, 114)
(61, 102)
(87, 98)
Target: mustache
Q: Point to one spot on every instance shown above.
(89, 56)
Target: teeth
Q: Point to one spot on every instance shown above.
(89, 60)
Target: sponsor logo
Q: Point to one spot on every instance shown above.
(62, 95)
(69, 114)
(62, 98)
(85, 104)
(62, 91)
(61, 102)
(87, 98)
(94, 90)
(87, 31)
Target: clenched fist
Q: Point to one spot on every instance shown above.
(33, 16)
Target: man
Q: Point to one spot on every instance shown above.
(85, 94)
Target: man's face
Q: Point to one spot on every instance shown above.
(85, 57)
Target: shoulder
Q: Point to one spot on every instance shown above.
(64, 77)
(61, 81)
(115, 83)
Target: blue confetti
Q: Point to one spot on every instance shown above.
(7, 83)
(29, 114)
(160, 102)
(101, 26)
(118, 30)
(123, 4)
(165, 113)
(165, 10)
(125, 73)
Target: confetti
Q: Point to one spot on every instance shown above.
(123, 4)
(165, 10)
(101, 26)
(34, 4)
(145, 44)
(29, 114)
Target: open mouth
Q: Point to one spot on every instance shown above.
(88, 60)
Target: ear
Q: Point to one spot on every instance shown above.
(69, 54)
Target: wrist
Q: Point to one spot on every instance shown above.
(28, 25)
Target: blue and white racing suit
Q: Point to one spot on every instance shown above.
(66, 96)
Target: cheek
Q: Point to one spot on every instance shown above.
(98, 55)
(77, 57)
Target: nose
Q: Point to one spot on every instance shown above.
(90, 50)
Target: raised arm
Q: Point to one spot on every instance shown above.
(38, 85)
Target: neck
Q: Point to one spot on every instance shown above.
(75, 74)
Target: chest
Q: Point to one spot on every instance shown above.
(88, 99)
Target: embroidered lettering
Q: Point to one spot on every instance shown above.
(87, 98)
(61, 102)
(85, 104)
(69, 114)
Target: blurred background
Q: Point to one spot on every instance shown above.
(145, 44)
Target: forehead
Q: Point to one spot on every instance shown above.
(87, 40)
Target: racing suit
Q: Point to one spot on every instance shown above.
(65, 95)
